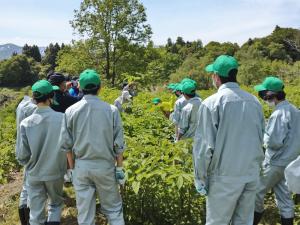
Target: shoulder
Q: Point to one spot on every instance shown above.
(212, 101)
(75, 107)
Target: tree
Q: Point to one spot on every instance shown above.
(51, 55)
(32, 51)
(78, 57)
(18, 71)
(112, 23)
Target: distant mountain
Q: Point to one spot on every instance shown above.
(7, 50)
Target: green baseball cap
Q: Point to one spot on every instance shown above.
(156, 100)
(271, 83)
(222, 65)
(171, 86)
(89, 77)
(188, 88)
(178, 87)
(188, 80)
(43, 87)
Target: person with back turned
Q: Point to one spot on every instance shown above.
(227, 151)
(45, 163)
(93, 132)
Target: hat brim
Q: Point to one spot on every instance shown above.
(210, 68)
(55, 88)
(259, 87)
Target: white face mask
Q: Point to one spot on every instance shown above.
(271, 104)
(214, 83)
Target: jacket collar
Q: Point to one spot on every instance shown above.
(230, 85)
(281, 104)
(91, 97)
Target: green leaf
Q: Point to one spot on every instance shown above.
(136, 187)
(180, 182)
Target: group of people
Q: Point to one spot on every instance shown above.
(57, 131)
(237, 159)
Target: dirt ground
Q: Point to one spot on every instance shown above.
(9, 197)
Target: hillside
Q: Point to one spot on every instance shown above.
(159, 189)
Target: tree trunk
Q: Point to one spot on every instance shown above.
(107, 56)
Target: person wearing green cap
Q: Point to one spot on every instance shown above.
(45, 164)
(92, 131)
(282, 143)
(227, 151)
(25, 108)
(179, 104)
(188, 118)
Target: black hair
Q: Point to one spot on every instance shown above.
(191, 95)
(38, 97)
(124, 84)
(280, 95)
(231, 77)
(91, 89)
(262, 94)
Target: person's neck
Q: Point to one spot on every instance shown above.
(43, 104)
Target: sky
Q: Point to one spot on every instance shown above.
(41, 22)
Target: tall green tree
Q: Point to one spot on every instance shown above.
(50, 56)
(32, 51)
(113, 24)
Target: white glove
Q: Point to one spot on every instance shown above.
(120, 175)
(201, 187)
(68, 177)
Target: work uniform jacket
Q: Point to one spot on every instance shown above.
(282, 135)
(229, 136)
(189, 119)
(25, 108)
(93, 130)
(39, 151)
(179, 104)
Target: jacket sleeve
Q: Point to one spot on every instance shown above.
(119, 144)
(183, 124)
(204, 142)
(65, 139)
(24, 153)
(276, 132)
(176, 114)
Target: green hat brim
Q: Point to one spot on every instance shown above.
(55, 88)
(210, 68)
(260, 87)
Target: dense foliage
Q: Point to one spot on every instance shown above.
(160, 186)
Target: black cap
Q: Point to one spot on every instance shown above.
(56, 78)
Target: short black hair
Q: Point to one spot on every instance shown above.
(124, 84)
(38, 97)
(91, 89)
(231, 77)
(280, 95)
(191, 95)
(262, 94)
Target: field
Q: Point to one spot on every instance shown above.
(159, 189)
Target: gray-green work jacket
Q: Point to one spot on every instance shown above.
(93, 130)
(39, 151)
(229, 136)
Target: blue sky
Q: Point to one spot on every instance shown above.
(43, 21)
